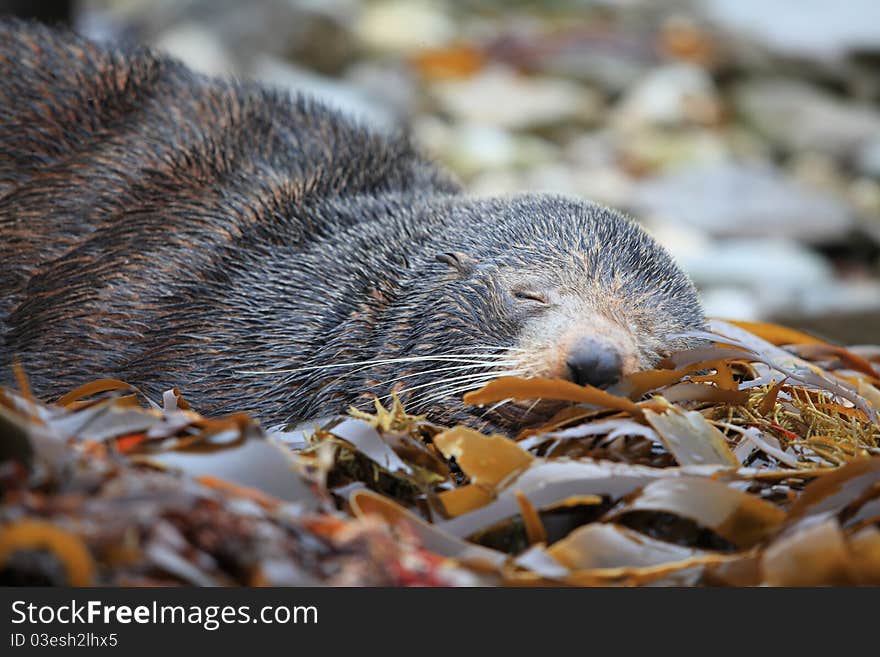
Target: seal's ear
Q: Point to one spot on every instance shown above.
(462, 262)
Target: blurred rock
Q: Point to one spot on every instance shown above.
(744, 278)
(742, 200)
(603, 186)
(797, 116)
(391, 87)
(750, 278)
(316, 35)
(606, 185)
(783, 265)
(590, 49)
(865, 196)
(868, 158)
(197, 47)
(333, 93)
(816, 171)
(842, 296)
(653, 149)
(403, 27)
(731, 303)
(552, 177)
(470, 149)
(809, 28)
(474, 148)
(609, 71)
(501, 97)
(596, 148)
(671, 95)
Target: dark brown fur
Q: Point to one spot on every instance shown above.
(169, 229)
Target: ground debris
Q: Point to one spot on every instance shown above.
(751, 460)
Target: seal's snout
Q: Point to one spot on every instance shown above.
(594, 362)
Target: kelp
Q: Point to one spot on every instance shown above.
(111, 493)
(753, 459)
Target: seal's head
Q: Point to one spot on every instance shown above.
(541, 285)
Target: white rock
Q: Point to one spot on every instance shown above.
(501, 97)
(397, 26)
(731, 303)
(814, 28)
(596, 148)
(741, 200)
(670, 95)
(477, 148)
(745, 278)
(470, 149)
(390, 86)
(606, 185)
(842, 296)
(868, 159)
(800, 117)
(196, 47)
(783, 265)
(678, 239)
(658, 148)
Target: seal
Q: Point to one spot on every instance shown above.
(263, 253)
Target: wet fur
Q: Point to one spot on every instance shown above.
(169, 229)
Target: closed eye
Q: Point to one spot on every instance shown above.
(530, 295)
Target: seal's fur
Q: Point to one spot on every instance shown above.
(170, 229)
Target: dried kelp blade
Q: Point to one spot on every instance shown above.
(367, 440)
(550, 483)
(691, 438)
(508, 387)
(734, 515)
(608, 545)
(365, 503)
(789, 365)
(486, 460)
(253, 461)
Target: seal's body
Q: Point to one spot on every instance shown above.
(265, 253)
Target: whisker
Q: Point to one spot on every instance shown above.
(495, 407)
(531, 408)
(448, 380)
(474, 365)
(460, 358)
(499, 348)
(441, 369)
(473, 385)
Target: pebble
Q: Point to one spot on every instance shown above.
(799, 117)
(403, 27)
(742, 199)
(470, 149)
(731, 303)
(197, 47)
(868, 157)
(655, 149)
(815, 29)
(499, 96)
(783, 265)
(671, 95)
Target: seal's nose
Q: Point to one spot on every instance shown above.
(594, 363)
